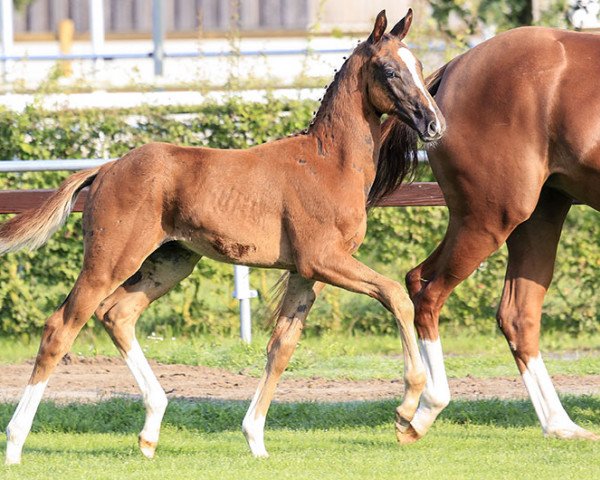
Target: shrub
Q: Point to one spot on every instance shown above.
(33, 284)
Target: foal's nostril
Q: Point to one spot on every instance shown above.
(432, 129)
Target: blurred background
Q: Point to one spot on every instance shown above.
(206, 44)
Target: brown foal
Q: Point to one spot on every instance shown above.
(298, 204)
(523, 141)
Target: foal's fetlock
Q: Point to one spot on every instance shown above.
(15, 440)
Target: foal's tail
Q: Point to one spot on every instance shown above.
(33, 228)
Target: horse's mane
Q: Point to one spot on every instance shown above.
(398, 154)
(397, 158)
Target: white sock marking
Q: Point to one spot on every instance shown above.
(20, 424)
(411, 63)
(155, 399)
(437, 392)
(253, 426)
(548, 407)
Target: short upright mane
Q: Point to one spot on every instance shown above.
(332, 89)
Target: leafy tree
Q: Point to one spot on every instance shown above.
(475, 15)
(21, 4)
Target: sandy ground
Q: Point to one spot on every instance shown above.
(79, 379)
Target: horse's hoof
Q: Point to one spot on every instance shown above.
(12, 461)
(406, 434)
(573, 433)
(260, 454)
(147, 448)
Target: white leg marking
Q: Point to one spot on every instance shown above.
(437, 392)
(411, 63)
(20, 424)
(554, 419)
(253, 426)
(155, 399)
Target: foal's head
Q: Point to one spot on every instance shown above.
(393, 80)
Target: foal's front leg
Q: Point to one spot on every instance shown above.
(342, 270)
(299, 297)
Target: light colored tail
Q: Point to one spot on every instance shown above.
(33, 228)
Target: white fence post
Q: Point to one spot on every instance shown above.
(158, 36)
(97, 31)
(242, 292)
(6, 33)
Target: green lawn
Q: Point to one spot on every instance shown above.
(482, 439)
(340, 356)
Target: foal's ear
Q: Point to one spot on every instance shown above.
(379, 28)
(401, 28)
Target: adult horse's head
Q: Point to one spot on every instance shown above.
(394, 80)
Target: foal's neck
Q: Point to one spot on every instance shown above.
(346, 127)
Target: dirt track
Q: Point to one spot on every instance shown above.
(101, 378)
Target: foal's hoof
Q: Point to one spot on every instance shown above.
(406, 434)
(147, 448)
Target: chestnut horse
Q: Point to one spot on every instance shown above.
(297, 204)
(523, 142)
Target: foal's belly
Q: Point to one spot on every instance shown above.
(238, 244)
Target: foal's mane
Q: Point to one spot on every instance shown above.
(345, 70)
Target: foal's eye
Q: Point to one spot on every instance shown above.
(390, 73)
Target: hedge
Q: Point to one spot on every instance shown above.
(32, 284)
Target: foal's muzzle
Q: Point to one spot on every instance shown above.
(435, 130)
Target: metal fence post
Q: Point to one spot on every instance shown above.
(158, 36)
(6, 33)
(97, 30)
(242, 292)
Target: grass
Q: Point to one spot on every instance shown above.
(485, 439)
(472, 439)
(340, 356)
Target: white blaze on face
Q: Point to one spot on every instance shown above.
(411, 63)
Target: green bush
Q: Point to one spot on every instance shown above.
(33, 284)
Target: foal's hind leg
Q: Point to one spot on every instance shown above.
(107, 264)
(531, 254)
(119, 313)
(299, 297)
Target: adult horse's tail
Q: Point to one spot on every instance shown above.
(33, 228)
(399, 146)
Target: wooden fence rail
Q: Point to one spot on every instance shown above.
(420, 194)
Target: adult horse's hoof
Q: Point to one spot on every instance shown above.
(573, 432)
(406, 434)
(147, 448)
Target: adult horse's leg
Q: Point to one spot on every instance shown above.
(298, 298)
(463, 248)
(119, 313)
(531, 255)
(106, 266)
(342, 270)
(469, 240)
